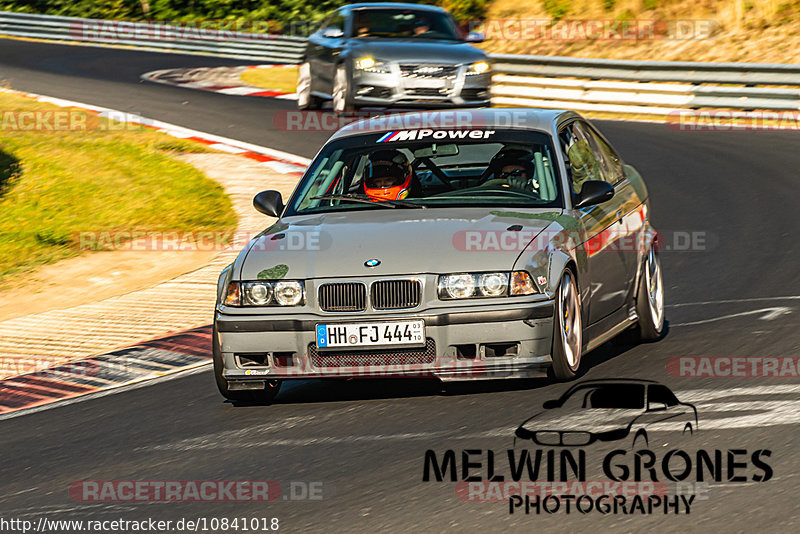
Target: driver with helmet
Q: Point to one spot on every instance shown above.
(515, 168)
(388, 175)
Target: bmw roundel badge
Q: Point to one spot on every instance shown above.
(374, 262)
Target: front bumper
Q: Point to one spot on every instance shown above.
(463, 343)
(391, 88)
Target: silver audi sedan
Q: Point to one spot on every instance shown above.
(459, 244)
(392, 54)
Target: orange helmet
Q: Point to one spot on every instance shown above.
(388, 175)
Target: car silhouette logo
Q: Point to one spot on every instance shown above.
(374, 262)
(609, 410)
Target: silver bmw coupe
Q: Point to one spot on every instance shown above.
(468, 244)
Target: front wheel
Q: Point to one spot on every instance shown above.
(305, 100)
(253, 395)
(650, 299)
(342, 94)
(567, 329)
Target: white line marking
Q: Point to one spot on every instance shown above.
(699, 395)
(769, 315)
(731, 301)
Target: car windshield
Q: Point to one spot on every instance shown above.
(431, 169)
(404, 24)
(620, 396)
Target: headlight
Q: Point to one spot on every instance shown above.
(494, 284)
(456, 286)
(477, 68)
(368, 64)
(485, 285)
(257, 293)
(288, 293)
(266, 293)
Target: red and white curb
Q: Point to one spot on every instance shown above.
(224, 80)
(277, 160)
(117, 369)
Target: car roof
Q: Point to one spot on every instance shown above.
(386, 5)
(539, 119)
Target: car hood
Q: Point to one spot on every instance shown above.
(425, 50)
(586, 420)
(434, 240)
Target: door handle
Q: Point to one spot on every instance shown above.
(619, 216)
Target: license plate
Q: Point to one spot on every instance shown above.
(371, 334)
(428, 83)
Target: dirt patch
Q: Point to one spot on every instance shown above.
(672, 30)
(95, 277)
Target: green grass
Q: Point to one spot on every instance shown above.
(56, 184)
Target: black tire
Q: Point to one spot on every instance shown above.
(341, 83)
(649, 327)
(566, 359)
(253, 395)
(306, 100)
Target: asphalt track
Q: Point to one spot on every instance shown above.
(365, 440)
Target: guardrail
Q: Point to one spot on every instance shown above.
(647, 87)
(585, 84)
(163, 37)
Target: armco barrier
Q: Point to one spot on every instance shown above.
(648, 87)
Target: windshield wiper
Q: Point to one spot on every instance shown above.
(366, 200)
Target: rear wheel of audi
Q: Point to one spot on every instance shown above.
(251, 395)
(650, 299)
(567, 329)
(305, 100)
(342, 93)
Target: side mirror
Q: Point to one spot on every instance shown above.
(594, 192)
(475, 37)
(332, 33)
(550, 404)
(269, 203)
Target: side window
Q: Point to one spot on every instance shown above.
(326, 22)
(659, 393)
(334, 21)
(582, 162)
(338, 21)
(613, 162)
